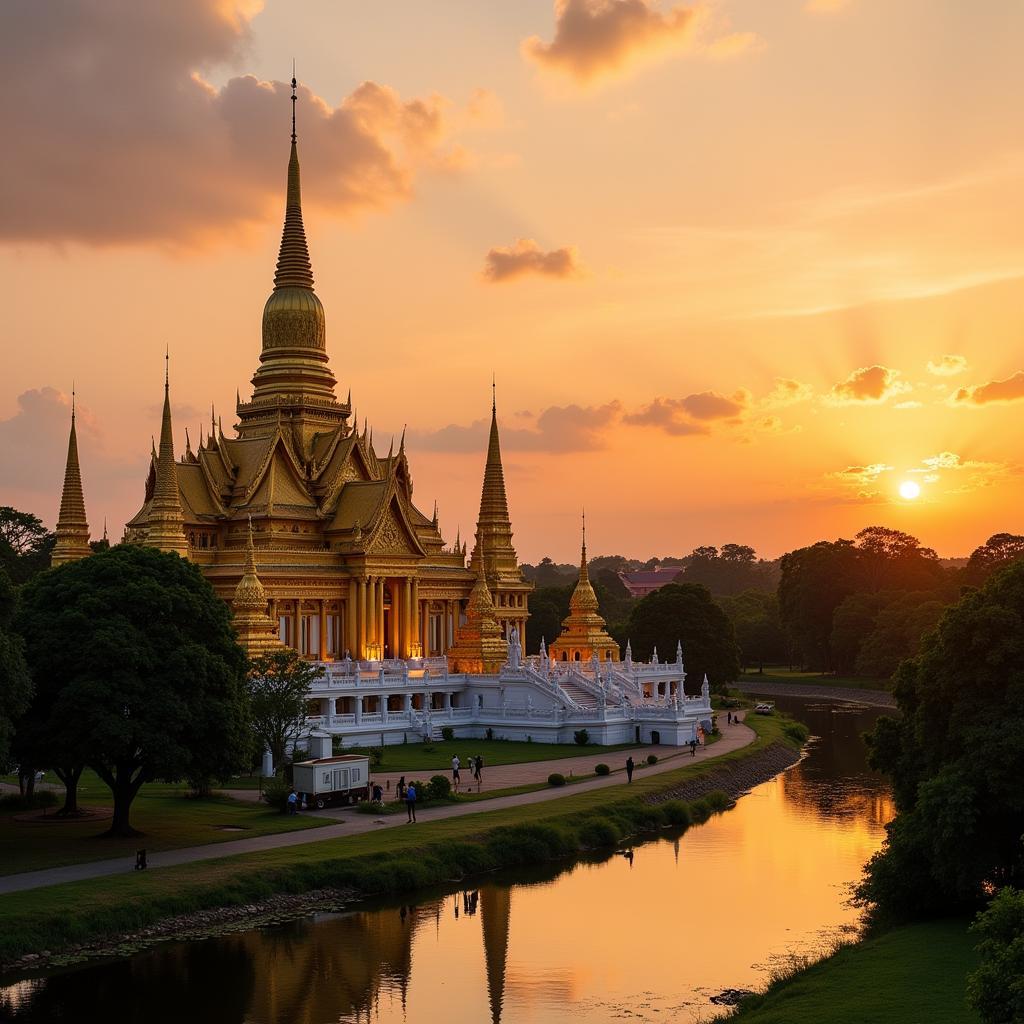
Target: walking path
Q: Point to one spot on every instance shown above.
(875, 698)
(352, 823)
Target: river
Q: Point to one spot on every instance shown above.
(647, 937)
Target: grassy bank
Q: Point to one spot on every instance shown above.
(167, 816)
(906, 976)
(392, 860)
(783, 675)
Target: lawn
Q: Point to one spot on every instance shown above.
(436, 757)
(909, 975)
(784, 675)
(162, 811)
(54, 916)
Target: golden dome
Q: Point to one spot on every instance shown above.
(294, 318)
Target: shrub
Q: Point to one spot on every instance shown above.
(598, 832)
(602, 769)
(995, 989)
(652, 758)
(275, 792)
(556, 779)
(376, 756)
(796, 731)
(439, 787)
(581, 737)
(369, 807)
(447, 733)
(16, 802)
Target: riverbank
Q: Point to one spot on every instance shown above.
(97, 912)
(910, 974)
(769, 687)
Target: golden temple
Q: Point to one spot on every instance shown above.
(312, 537)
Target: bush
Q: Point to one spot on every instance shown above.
(597, 833)
(652, 758)
(602, 769)
(275, 792)
(376, 756)
(369, 807)
(581, 737)
(439, 787)
(14, 802)
(556, 779)
(796, 731)
(995, 988)
(447, 733)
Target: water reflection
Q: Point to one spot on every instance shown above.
(647, 936)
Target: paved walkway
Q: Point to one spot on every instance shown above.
(875, 698)
(351, 823)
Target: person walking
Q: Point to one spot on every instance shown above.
(693, 747)
(629, 769)
(410, 802)
(293, 802)
(456, 764)
(729, 718)
(400, 789)
(479, 766)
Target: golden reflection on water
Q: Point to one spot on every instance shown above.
(647, 938)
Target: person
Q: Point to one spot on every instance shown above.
(456, 764)
(728, 718)
(479, 769)
(629, 769)
(293, 802)
(693, 747)
(378, 793)
(410, 802)
(400, 789)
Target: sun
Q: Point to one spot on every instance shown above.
(909, 490)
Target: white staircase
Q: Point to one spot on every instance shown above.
(580, 697)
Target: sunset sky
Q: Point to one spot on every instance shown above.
(741, 268)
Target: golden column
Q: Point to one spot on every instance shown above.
(323, 629)
(351, 636)
(379, 611)
(371, 626)
(407, 633)
(361, 650)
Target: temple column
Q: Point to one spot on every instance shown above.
(359, 710)
(416, 636)
(381, 584)
(360, 652)
(323, 630)
(373, 633)
(408, 703)
(351, 636)
(296, 625)
(442, 632)
(407, 633)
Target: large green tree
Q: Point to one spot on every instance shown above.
(15, 682)
(996, 988)
(144, 666)
(754, 615)
(548, 607)
(25, 544)
(685, 612)
(278, 686)
(999, 550)
(955, 756)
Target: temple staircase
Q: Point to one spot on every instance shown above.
(580, 697)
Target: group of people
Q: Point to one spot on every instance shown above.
(474, 764)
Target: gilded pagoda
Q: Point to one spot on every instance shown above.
(312, 537)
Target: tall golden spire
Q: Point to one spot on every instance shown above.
(479, 645)
(294, 357)
(72, 527)
(165, 528)
(583, 631)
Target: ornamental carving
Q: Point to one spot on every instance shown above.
(390, 537)
(293, 328)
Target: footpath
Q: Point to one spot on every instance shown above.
(351, 823)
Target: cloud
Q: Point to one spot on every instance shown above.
(122, 140)
(1010, 389)
(908, 405)
(601, 38)
(786, 392)
(669, 415)
(556, 430)
(710, 405)
(948, 366)
(526, 257)
(944, 460)
(869, 385)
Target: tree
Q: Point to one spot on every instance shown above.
(15, 682)
(899, 627)
(999, 550)
(146, 669)
(278, 685)
(728, 571)
(25, 544)
(996, 988)
(548, 607)
(614, 602)
(754, 615)
(954, 757)
(852, 623)
(893, 560)
(685, 612)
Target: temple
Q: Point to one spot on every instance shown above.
(316, 543)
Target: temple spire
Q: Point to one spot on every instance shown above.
(166, 527)
(584, 571)
(72, 527)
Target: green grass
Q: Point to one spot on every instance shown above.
(387, 861)
(910, 975)
(167, 817)
(783, 675)
(415, 758)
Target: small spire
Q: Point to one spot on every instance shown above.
(72, 526)
(213, 420)
(105, 529)
(584, 571)
(294, 84)
(188, 444)
(494, 394)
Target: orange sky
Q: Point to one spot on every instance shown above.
(741, 268)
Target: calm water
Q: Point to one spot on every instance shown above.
(642, 940)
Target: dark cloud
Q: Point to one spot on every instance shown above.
(710, 405)
(667, 414)
(869, 384)
(558, 429)
(120, 139)
(597, 38)
(526, 257)
(1010, 389)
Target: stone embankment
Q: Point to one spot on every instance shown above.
(873, 698)
(199, 924)
(732, 778)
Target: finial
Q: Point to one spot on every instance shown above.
(494, 394)
(105, 528)
(294, 84)
(167, 368)
(72, 403)
(213, 421)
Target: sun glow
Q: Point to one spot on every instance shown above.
(909, 490)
